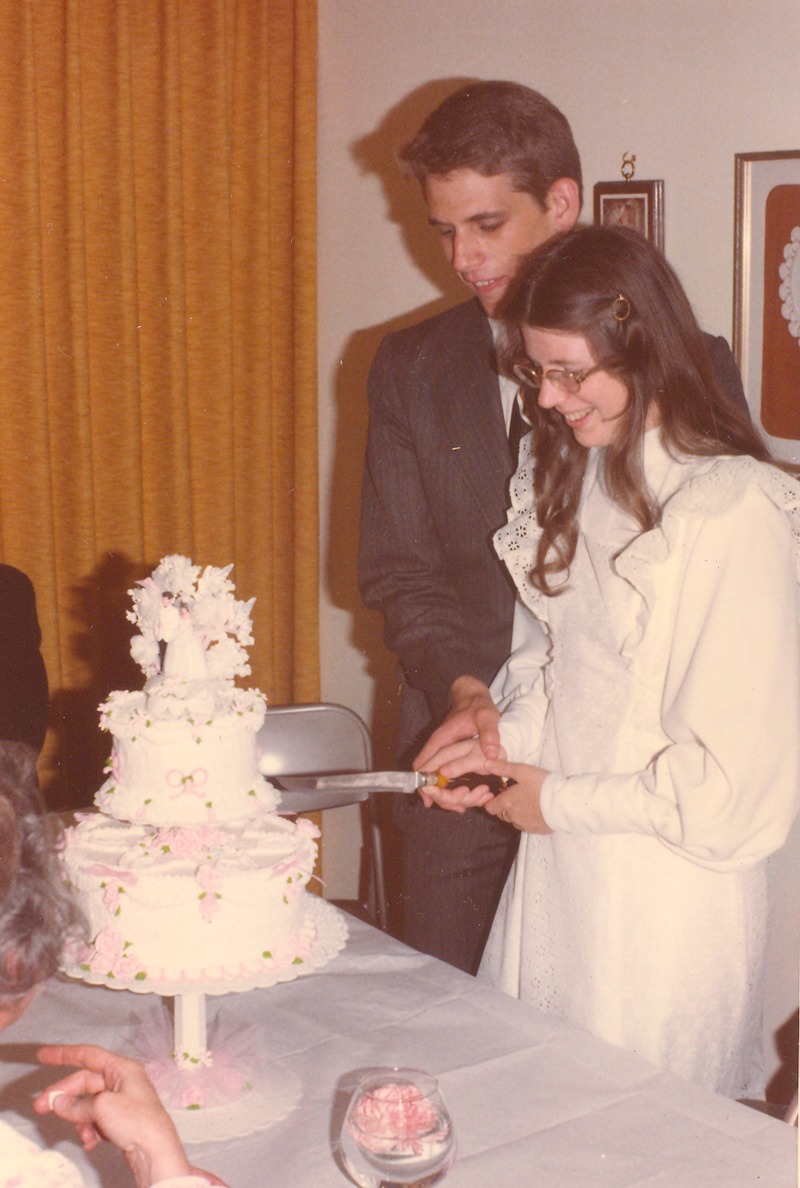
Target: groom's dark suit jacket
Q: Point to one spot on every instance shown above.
(435, 490)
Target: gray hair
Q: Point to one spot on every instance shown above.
(38, 911)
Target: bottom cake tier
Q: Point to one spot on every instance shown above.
(204, 907)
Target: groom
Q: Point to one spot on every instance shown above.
(500, 174)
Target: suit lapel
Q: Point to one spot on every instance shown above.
(472, 415)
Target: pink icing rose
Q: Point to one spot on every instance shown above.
(126, 967)
(183, 843)
(395, 1119)
(108, 945)
(108, 956)
(192, 1097)
(283, 954)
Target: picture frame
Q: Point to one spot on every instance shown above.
(766, 286)
(633, 203)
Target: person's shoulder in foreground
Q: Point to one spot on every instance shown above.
(23, 679)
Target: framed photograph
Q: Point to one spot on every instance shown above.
(636, 204)
(766, 307)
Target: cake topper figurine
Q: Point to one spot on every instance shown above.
(206, 629)
(185, 654)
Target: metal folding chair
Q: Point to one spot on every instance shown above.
(320, 737)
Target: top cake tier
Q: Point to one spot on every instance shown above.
(184, 753)
(184, 747)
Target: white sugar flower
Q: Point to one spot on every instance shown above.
(220, 624)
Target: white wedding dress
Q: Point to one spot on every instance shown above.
(668, 712)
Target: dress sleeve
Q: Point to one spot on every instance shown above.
(724, 791)
(518, 689)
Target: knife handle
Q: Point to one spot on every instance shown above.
(472, 779)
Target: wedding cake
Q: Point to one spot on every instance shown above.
(187, 877)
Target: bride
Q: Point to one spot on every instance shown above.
(650, 713)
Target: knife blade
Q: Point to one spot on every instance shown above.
(385, 781)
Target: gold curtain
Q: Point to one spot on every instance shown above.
(157, 328)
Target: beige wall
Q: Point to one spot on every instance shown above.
(683, 84)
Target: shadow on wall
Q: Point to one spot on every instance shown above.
(783, 948)
(783, 1083)
(375, 153)
(103, 641)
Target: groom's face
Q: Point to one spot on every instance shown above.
(487, 228)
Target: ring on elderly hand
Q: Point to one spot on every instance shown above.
(504, 815)
(52, 1097)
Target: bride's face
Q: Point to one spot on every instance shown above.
(592, 407)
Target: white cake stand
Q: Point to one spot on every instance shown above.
(213, 1092)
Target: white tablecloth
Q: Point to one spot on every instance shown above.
(534, 1101)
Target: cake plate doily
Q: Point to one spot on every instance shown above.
(214, 1093)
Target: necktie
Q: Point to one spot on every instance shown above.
(517, 429)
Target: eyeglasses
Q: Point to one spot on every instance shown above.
(532, 375)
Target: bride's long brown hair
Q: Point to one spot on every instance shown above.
(573, 284)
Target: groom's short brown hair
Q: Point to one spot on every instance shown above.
(493, 128)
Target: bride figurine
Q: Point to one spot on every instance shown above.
(185, 654)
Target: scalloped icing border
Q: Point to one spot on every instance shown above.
(789, 291)
(331, 937)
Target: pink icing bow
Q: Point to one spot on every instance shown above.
(192, 781)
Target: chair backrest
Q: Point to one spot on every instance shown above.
(313, 737)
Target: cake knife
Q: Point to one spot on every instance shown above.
(385, 781)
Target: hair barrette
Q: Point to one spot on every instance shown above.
(620, 309)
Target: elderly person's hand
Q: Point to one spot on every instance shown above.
(111, 1097)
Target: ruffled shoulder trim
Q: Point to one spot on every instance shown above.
(517, 542)
(717, 486)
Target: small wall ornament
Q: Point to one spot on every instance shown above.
(629, 203)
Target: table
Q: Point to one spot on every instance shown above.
(535, 1102)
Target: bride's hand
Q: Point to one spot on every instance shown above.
(519, 805)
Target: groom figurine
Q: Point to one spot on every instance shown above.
(501, 175)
